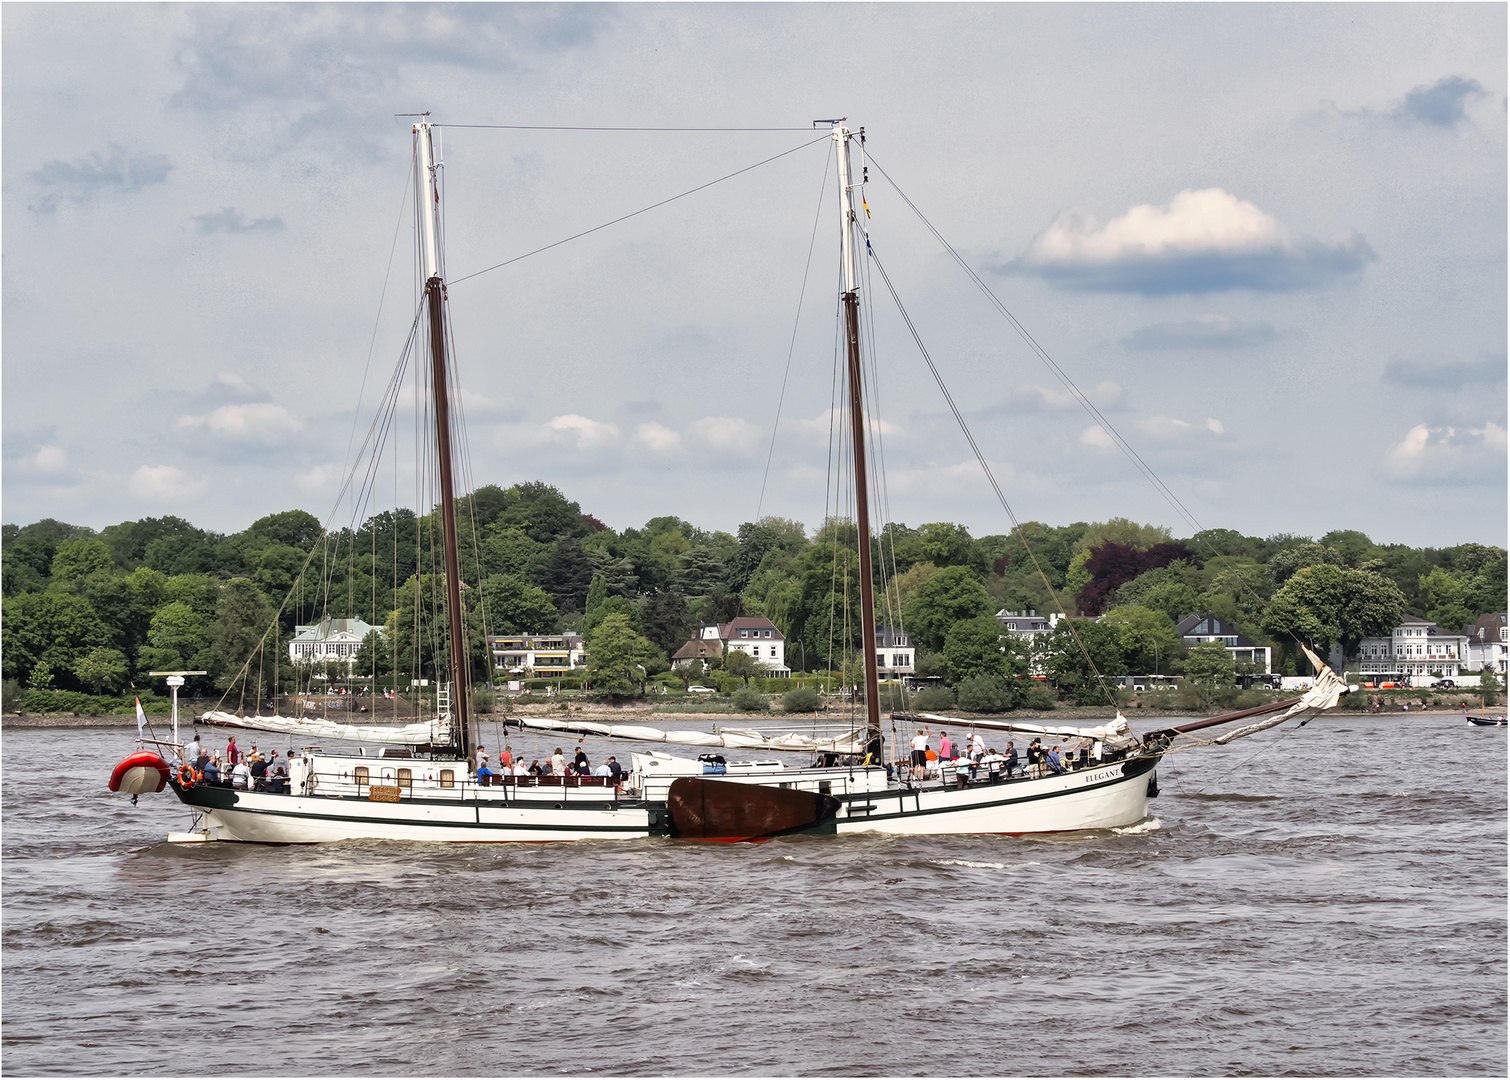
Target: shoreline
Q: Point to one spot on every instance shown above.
(1070, 716)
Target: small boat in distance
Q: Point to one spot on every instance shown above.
(1489, 721)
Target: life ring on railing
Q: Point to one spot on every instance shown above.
(187, 777)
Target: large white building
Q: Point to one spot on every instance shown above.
(896, 656)
(329, 640)
(1203, 627)
(1032, 629)
(1415, 648)
(751, 634)
(540, 655)
(1488, 644)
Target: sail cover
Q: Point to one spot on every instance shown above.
(1115, 733)
(431, 731)
(730, 738)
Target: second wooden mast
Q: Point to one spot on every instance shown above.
(849, 225)
(435, 295)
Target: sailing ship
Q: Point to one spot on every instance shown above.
(420, 782)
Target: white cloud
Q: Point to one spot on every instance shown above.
(1444, 455)
(320, 479)
(166, 484)
(1104, 395)
(581, 432)
(657, 438)
(261, 422)
(1096, 438)
(43, 461)
(1202, 241)
(1214, 425)
(727, 434)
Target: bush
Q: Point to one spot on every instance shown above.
(749, 699)
(933, 699)
(10, 695)
(483, 700)
(985, 694)
(800, 699)
(1038, 696)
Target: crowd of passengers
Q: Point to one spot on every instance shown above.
(233, 768)
(511, 764)
(973, 760)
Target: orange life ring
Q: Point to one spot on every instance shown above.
(187, 776)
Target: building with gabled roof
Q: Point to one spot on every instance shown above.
(1488, 645)
(329, 639)
(754, 635)
(1202, 627)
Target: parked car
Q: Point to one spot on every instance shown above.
(1443, 684)
(701, 690)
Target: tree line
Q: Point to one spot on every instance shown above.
(94, 611)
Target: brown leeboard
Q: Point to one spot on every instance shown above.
(703, 809)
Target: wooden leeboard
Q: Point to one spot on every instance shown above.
(382, 793)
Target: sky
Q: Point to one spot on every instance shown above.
(1268, 242)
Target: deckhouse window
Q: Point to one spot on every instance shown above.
(448, 778)
(406, 778)
(361, 775)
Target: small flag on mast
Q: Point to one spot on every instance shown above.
(141, 718)
(866, 205)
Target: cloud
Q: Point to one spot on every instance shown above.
(726, 434)
(1203, 241)
(256, 422)
(231, 220)
(1203, 332)
(581, 432)
(1443, 456)
(166, 484)
(1104, 395)
(1440, 104)
(1487, 372)
(1154, 429)
(657, 438)
(116, 171)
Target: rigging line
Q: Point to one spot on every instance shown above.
(796, 322)
(585, 127)
(636, 213)
(990, 477)
(1085, 403)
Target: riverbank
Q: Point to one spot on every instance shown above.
(1070, 716)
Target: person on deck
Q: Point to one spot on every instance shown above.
(1035, 755)
(278, 783)
(241, 775)
(1053, 760)
(211, 771)
(615, 769)
(484, 774)
(558, 763)
(946, 748)
(977, 747)
(919, 754)
(193, 750)
(535, 768)
(506, 760)
(1009, 761)
(603, 770)
(232, 753)
(583, 765)
(258, 770)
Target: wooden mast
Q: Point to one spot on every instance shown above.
(435, 296)
(848, 226)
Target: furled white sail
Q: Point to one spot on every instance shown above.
(1115, 733)
(729, 738)
(1320, 697)
(431, 731)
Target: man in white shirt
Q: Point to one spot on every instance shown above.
(919, 754)
(977, 747)
(193, 750)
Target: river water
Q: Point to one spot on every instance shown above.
(1319, 900)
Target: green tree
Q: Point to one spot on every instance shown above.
(952, 594)
(799, 699)
(988, 694)
(977, 647)
(612, 605)
(1328, 605)
(748, 699)
(1077, 650)
(615, 655)
(45, 635)
(1210, 672)
(515, 607)
(742, 665)
(77, 559)
(373, 658)
(243, 639)
(102, 670)
(1146, 638)
(665, 620)
(1443, 600)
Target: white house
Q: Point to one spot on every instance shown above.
(541, 655)
(896, 656)
(751, 634)
(1203, 627)
(329, 639)
(1032, 629)
(1416, 647)
(1488, 642)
